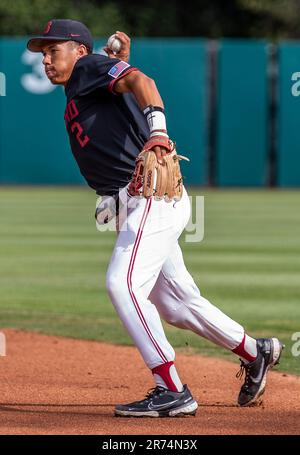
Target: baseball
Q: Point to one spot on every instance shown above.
(114, 44)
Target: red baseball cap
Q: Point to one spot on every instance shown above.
(62, 30)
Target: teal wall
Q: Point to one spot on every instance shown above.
(33, 143)
(34, 146)
(242, 114)
(179, 69)
(288, 162)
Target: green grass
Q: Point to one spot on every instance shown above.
(53, 263)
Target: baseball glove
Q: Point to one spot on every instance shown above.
(163, 180)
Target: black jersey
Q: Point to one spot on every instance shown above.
(106, 130)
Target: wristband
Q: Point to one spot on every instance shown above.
(156, 120)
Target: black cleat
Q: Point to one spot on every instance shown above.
(268, 354)
(160, 402)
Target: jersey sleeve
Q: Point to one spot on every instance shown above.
(95, 71)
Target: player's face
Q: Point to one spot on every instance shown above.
(59, 59)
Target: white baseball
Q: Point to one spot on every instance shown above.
(114, 44)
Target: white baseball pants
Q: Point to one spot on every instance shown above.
(147, 279)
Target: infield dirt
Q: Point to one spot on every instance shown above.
(53, 385)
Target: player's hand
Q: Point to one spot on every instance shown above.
(160, 145)
(124, 52)
(160, 152)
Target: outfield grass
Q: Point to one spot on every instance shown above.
(53, 263)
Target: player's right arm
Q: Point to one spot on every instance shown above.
(147, 95)
(143, 88)
(124, 52)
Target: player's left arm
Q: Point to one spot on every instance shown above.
(146, 93)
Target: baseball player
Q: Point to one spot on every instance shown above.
(118, 135)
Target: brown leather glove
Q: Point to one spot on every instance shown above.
(161, 180)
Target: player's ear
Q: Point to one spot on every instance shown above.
(81, 50)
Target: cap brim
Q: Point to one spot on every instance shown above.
(36, 44)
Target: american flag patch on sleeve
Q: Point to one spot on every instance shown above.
(118, 69)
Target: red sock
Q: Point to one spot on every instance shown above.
(242, 350)
(164, 373)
